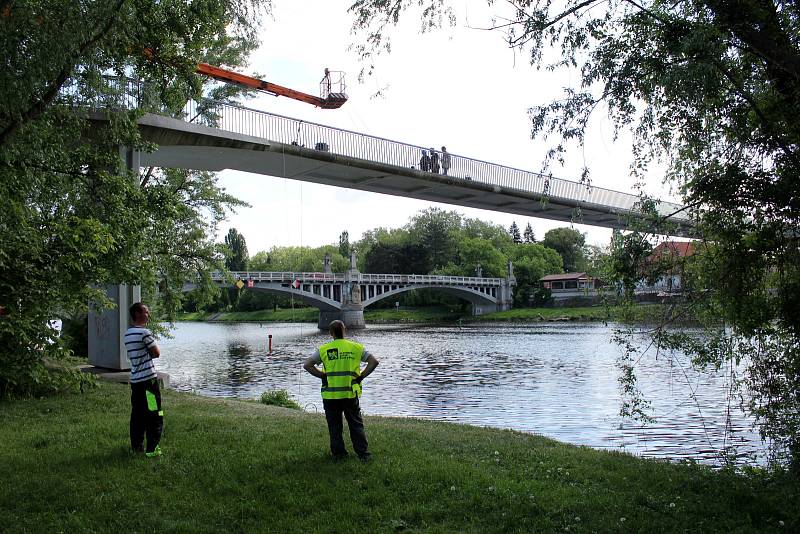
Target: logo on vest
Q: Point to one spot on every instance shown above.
(334, 354)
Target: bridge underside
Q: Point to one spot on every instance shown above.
(477, 299)
(192, 146)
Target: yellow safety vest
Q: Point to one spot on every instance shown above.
(341, 360)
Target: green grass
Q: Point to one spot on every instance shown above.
(237, 466)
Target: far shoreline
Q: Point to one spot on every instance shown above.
(440, 315)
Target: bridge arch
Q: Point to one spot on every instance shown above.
(312, 299)
(473, 296)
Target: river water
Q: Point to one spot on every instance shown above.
(555, 379)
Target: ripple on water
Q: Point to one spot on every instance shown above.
(556, 379)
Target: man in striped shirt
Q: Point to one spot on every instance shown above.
(147, 416)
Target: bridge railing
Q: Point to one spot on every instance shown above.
(361, 278)
(343, 142)
(126, 93)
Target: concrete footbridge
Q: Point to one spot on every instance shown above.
(264, 143)
(344, 296)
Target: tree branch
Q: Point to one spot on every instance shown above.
(38, 107)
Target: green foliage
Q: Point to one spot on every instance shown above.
(344, 244)
(571, 245)
(532, 261)
(75, 334)
(478, 251)
(236, 259)
(279, 397)
(513, 231)
(529, 236)
(71, 220)
(436, 230)
(397, 258)
(298, 259)
(494, 233)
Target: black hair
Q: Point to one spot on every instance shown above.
(136, 309)
(337, 329)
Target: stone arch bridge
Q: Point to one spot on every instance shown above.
(344, 296)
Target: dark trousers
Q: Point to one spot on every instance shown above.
(334, 408)
(146, 415)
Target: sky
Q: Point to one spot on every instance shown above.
(460, 87)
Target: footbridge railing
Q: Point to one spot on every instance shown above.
(122, 93)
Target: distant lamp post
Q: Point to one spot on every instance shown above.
(479, 271)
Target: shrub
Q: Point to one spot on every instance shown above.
(279, 397)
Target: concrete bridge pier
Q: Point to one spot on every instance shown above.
(352, 317)
(352, 312)
(107, 327)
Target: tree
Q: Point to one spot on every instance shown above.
(344, 244)
(530, 237)
(532, 261)
(494, 233)
(237, 258)
(711, 87)
(570, 245)
(68, 213)
(436, 230)
(474, 251)
(513, 231)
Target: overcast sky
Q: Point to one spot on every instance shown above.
(459, 87)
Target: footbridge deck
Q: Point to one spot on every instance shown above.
(264, 143)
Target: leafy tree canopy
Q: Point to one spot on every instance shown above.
(71, 220)
(529, 236)
(344, 244)
(570, 244)
(298, 259)
(236, 259)
(513, 231)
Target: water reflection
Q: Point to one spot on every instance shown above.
(557, 380)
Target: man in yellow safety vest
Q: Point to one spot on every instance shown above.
(341, 386)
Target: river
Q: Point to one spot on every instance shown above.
(555, 379)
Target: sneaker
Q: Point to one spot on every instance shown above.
(155, 454)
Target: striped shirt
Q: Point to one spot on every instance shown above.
(137, 341)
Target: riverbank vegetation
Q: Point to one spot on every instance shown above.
(72, 217)
(233, 465)
(440, 314)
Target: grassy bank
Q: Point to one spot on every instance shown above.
(643, 313)
(238, 466)
(640, 313)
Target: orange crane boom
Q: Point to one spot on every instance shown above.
(328, 100)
